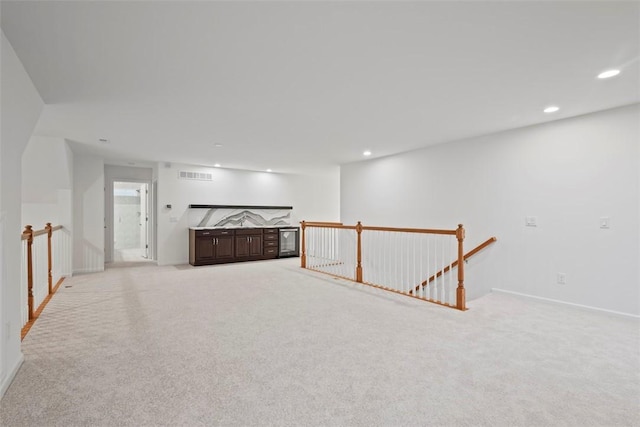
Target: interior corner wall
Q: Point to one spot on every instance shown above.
(88, 213)
(312, 197)
(567, 173)
(20, 108)
(46, 179)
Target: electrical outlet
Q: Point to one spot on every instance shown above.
(562, 279)
(531, 221)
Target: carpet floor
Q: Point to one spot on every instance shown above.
(270, 344)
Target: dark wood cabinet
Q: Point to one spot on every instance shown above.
(210, 246)
(215, 246)
(249, 243)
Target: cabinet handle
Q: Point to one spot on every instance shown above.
(205, 234)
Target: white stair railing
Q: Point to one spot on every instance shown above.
(401, 260)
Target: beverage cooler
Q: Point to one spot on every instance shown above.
(289, 242)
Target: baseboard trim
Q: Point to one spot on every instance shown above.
(7, 380)
(86, 271)
(555, 301)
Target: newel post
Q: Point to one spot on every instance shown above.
(303, 257)
(28, 231)
(49, 263)
(460, 294)
(359, 267)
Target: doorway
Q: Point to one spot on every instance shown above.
(130, 221)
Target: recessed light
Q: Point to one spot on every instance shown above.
(367, 153)
(551, 109)
(608, 73)
(217, 145)
(269, 170)
(217, 165)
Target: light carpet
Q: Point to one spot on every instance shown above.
(269, 344)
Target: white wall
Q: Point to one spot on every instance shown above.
(567, 173)
(88, 213)
(47, 180)
(20, 109)
(312, 197)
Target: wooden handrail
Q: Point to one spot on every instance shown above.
(455, 263)
(372, 228)
(329, 225)
(40, 232)
(24, 235)
(411, 230)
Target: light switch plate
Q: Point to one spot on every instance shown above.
(531, 221)
(605, 222)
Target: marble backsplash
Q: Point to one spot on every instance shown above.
(239, 217)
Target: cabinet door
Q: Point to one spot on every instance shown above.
(204, 249)
(242, 246)
(224, 247)
(248, 246)
(255, 245)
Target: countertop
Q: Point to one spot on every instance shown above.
(240, 228)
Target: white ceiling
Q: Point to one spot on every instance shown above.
(302, 86)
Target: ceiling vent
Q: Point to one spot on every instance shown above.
(198, 176)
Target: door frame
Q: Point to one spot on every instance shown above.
(109, 219)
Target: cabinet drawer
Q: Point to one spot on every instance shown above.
(213, 232)
(270, 243)
(270, 251)
(271, 231)
(248, 231)
(270, 237)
